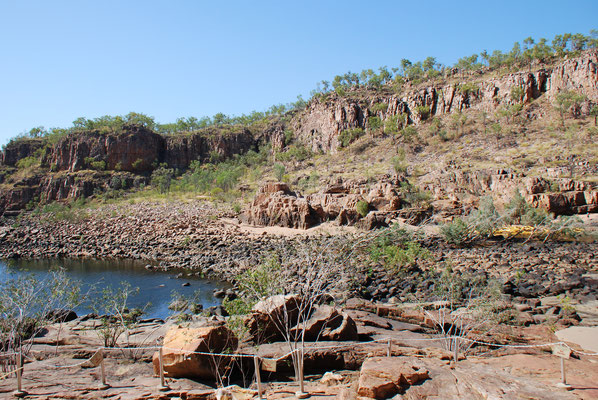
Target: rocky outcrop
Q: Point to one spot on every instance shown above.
(270, 316)
(180, 150)
(328, 323)
(137, 149)
(276, 205)
(61, 186)
(320, 125)
(567, 203)
(181, 344)
(134, 149)
(384, 377)
(18, 149)
(558, 196)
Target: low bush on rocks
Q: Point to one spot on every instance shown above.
(518, 220)
(467, 307)
(363, 208)
(396, 248)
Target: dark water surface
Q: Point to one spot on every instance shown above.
(155, 287)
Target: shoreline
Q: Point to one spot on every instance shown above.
(207, 242)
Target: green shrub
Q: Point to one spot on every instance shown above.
(391, 126)
(27, 162)
(224, 175)
(414, 196)
(374, 123)
(399, 165)
(362, 207)
(279, 171)
(468, 88)
(396, 248)
(456, 232)
(137, 165)
(256, 283)
(486, 221)
(379, 107)
(162, 178)
(517, 93)
(98, 165)
(409, 133)
(348, 136)
(423, 112)
(296, 152)
(398, 162)
(237, 306)
(519, 212)
(288, 137)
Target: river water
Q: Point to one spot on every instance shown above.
(155, 287)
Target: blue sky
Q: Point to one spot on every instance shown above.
(168, 59)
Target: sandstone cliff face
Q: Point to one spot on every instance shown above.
(47, 188)
(276, 205)
(137, 149)
(180, 150)
(320, 125)
(134, 149)
(18, 149)
(559, 196)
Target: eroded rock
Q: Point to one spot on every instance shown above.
(383, 377)
(181, 343)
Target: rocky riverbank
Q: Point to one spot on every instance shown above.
(62, 363)
(545, 287)
(210, 242)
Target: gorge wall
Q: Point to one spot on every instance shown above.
(69, 167)
(320, 125)
(129, 155)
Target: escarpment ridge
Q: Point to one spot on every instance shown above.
(489, 105)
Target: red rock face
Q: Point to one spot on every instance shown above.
(567, 203)
(276, 205)
(180, 150)
(16, 150)
(321, 124)
(135, 149)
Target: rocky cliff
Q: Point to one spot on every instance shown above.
(135, 150)
(320, 125)
(138, 149)
(18, 149)
(276, 205)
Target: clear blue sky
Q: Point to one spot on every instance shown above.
(66, 59)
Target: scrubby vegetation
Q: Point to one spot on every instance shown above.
(518, 219)
(518, 57)
(396, 248)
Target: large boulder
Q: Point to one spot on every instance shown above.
(179, 347)
(383, 377)
(272, 315)
(276, 205)
(327, 323)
